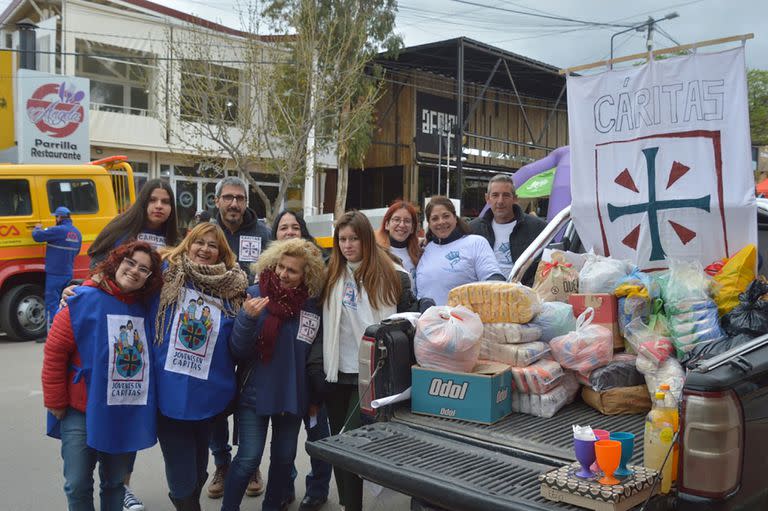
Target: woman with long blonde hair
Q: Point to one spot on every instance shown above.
(203, 290)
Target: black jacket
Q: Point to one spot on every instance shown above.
(525, 231)
(247, 250)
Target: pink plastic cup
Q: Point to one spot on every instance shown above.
(600, 434)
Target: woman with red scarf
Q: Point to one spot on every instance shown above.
(271, 341)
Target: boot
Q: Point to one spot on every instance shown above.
(188, 503)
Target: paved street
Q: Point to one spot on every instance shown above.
(30, 473)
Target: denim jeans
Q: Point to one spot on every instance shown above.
(219, 441)
(79, 463)
(252, 435)
(319, 478)
(185, 452)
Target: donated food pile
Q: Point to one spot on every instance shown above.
(598, 325)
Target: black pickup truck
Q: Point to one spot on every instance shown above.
(456, 465)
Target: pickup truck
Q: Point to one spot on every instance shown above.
(450, 464)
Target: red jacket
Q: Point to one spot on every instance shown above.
(60, 353)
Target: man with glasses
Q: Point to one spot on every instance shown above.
(247, 237)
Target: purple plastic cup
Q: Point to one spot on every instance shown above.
(585, 455)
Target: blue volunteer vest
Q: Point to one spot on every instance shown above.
(195, 370)
(115, 352)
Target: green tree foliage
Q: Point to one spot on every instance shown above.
(757, 99)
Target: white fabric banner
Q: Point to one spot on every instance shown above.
(660, 160)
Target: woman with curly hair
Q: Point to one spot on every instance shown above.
(203, 290)
(96, 375)
(271, 339)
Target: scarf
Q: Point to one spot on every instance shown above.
(332, 319)
(228, 286)
(457, 234)
(284, 303)
(398, 244)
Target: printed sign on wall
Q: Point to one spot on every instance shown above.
(435, 117)
(660, 159)
(52, 118)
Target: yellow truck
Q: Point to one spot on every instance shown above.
(29, 194)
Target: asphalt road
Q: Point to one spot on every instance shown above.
(30, 464)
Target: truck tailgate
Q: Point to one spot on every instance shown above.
(547, 439)
(446, 473)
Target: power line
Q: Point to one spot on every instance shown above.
(546, 16)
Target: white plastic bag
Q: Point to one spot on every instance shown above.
(669, 372)
(555, 319)
(587, 348)
(538, 378)
(447, 338)
(510, 333)
(601, 274)
(516, 355)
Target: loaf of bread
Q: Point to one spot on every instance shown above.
(497, 302)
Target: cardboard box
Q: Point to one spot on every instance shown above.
(606, 312)
(483, 395)
(621, 400)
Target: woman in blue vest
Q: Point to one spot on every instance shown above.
(271, 340)
(97, 380)
(203, 290)
(152, 218)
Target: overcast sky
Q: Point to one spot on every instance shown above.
(555, 42)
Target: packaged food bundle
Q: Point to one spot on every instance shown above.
(601, 274)
(734, 277)
(548, 404)
(510, 333)
(497, 302)
(619, 400)
(751, 315)
(652, 347)
(694, 322)
(448, 338)
(586, 348)
(517, 355)
(555, 319)
(556, 279)
(538, 378)
(619, 372)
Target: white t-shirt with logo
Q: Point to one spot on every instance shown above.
(501, 249)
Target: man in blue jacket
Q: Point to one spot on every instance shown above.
(64, 241)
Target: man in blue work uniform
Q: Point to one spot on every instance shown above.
(64, 242)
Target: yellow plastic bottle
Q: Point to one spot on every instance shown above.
(657, 440)
(671, 403)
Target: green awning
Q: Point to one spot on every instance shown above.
(539, 185)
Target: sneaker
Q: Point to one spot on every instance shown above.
(131, 502)
(255, 485)
(216, 488)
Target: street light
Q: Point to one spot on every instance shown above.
(649, 24)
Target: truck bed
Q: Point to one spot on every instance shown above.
(463, 466)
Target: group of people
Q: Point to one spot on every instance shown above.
(168, 337)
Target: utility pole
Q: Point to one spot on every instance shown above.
(648, 25)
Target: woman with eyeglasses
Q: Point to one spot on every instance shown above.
(453, 256)
(399, 234)
(203, 290)
(96, 376)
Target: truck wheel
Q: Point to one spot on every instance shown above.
(22, 312)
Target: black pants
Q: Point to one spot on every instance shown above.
(185, 452)
(340, 403)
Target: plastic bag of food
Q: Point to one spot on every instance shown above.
(538, 378)
(556, 280)
(620, 372)
(547, 405)
(635, 294)
(694, 322)
(671, 373)
(510, 333)
(586, 348)
(602, 274)
(734, 277)
(555, 319)
(447, 338)
(685, 282)
(497, 302)
(751, 315)
(517, 355)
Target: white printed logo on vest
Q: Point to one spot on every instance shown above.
(155, 240)
(194, 332)
(309, 324)
(349, 300)
(250, 249)
(128, 361)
